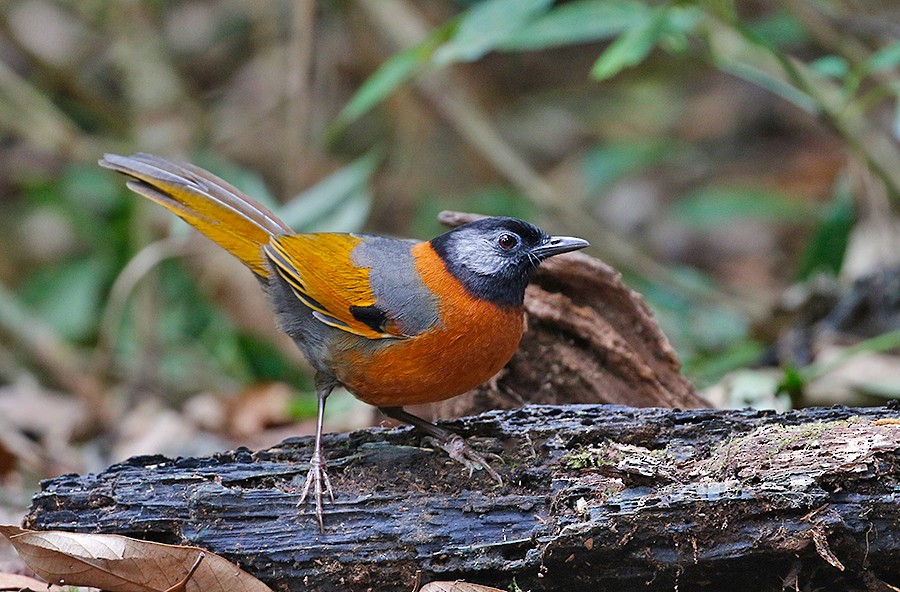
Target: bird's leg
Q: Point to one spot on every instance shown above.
(317, 478)
(455, 446)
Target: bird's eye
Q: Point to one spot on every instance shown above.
(507, 241)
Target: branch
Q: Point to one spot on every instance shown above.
(61, 361)
(596, 497)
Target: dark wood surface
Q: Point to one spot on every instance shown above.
(596, 498)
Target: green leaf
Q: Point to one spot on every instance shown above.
(886, 58)
(709, 369)
(723, 205)
(68, 296)
(831, 67)
(394, 72)
(878, 344)
(578, 22)
(680, 22)
(631, 48)
(780, 28)
(793, 382)
(486, 26)
(303, 407)
(340, 202)
(744, 54)
(692, 326)
(90, 187)
(602, 166)
(773, 84)
(828, 243)
(682, 19)
(268, 362)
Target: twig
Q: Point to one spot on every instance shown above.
(29, 113)
(825, 29)
(38, 340)
(68, 77)
(884, 164)
(297, 97)
(163, 117)
(124, 285)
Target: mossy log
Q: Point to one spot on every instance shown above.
(596, 497)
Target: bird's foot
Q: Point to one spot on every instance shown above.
(462, 453)
(318, 484)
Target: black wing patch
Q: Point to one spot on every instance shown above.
(372, 316)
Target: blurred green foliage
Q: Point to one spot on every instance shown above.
(68, 292)
(624, 57)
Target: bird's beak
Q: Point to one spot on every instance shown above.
(559, 244)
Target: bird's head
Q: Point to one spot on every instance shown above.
(495, 257)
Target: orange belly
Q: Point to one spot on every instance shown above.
(473, 342)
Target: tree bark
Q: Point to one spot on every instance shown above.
(595, 497)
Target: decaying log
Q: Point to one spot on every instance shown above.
(596, 497)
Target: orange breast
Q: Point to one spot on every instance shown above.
(475, 340)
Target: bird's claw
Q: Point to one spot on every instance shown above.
(462, 453)
(318, 483)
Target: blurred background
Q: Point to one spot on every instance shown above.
(738, 161)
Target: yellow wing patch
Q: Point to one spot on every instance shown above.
(322, 275)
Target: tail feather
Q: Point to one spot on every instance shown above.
(233, 220)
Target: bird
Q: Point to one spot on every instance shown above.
(394, 321)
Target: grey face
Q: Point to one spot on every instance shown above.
(493, 251)
(494, 257)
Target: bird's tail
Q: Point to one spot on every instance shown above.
(233, 220)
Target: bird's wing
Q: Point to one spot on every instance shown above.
(322, 272)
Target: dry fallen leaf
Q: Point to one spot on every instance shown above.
(182, 585)
(456, 587)
(258, 408)
(122, 564)
(19, 582)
